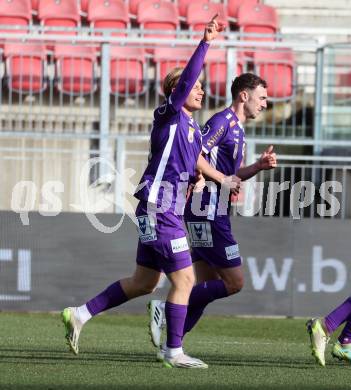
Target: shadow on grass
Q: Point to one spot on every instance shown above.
(47, 356)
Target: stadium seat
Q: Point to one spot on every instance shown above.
(133, 7)
(83, 7)
(59, 13)
(257, 19)
(75, 69)
(233, 7)
(15, 13)
(109, 14)
(216, 72)
(183, 7)
(200, 12)
(127, 70)
(278, 69)
(167, 59)
(158, 15)
(35, 6)
(25, 67)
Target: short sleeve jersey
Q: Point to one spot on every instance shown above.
(223, 143)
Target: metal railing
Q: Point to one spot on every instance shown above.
(111, 101)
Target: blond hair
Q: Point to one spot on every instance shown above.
(171, 80)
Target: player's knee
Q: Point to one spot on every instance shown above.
(234, 285)
(146, 288)
(186, 283)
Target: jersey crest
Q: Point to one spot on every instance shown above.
(191, 134)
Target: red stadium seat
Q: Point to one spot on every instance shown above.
(258, 19)
(59, 13)
(25, 67)
(133, 6)
(15, 13)
(109, 14)
(35, 6)
(158, 15)
(200, 12)
(127, 70)
(83, 6)
(234, 5)
(167, 59)
(278, 69)
(183, 7)
(216, 72)
(75, 69)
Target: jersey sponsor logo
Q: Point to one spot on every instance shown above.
(179, 245)
(191, 134)
(228, 116)
(232, 252)
(232, 123)
(212, 141)
(205, 130)
(200, 234)
(146, 229)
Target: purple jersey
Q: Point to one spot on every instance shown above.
(223, 142)
(175, 144)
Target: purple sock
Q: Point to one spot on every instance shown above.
(111, 297)
(345, 335)
(201, 295)
(175, 317)
(334, 319)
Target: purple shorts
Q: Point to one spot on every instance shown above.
(213, 242)
(162, 241)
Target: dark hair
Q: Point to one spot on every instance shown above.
(246, 81)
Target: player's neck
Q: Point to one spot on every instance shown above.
(187, 112)
(239, 112)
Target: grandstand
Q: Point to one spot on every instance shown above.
(80, 79)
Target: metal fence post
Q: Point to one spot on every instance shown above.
(119, 179)
(249, 195)
(318, 104)
(231, 72)
(104, 106)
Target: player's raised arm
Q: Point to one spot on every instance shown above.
(193, 69)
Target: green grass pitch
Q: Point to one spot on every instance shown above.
(115, 353)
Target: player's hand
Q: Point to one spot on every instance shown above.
(233, 183)
(212, 29)
(268, 159)
(200, 183)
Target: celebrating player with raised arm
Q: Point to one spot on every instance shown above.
(162, 247)
(215, 252)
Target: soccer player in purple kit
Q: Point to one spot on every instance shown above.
(215, 252)
(320, 330)
(175, 153)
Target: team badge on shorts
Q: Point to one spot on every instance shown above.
(146, 229)
(200, 234)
